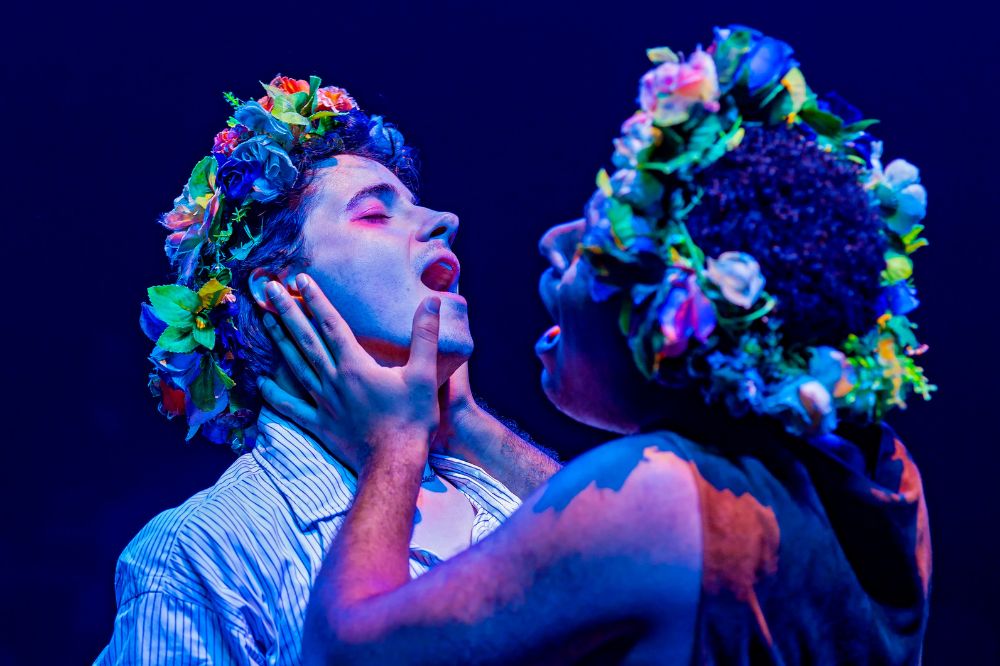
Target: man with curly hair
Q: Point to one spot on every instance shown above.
(302, 181)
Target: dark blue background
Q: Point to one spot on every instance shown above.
(513, 105)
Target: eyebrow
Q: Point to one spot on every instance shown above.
(378, 191)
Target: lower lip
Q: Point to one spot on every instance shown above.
(548, 341)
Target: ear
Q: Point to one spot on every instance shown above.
(259, 277)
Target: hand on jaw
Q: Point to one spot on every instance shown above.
(332, 364)
(358, 408)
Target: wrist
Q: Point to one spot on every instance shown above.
(402, 445)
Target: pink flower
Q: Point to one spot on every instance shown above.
(685, 313)
(332, 98)
(672, 89)
(182, 217)
(227, 139)
(638, 138)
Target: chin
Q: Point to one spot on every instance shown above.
(583, 403)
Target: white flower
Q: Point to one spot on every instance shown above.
(737, 275)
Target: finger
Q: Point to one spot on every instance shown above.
(298, 410)
(338, 335)
(301, 369)
(301, 330)
(424, 340)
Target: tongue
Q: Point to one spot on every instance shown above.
(437, 276)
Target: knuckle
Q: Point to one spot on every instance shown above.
(330, 326)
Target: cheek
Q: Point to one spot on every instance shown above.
(368, 283)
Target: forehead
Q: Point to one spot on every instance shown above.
(339, 178)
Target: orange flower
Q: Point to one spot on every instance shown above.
(332, 98)
(289, 86)
(286, 85)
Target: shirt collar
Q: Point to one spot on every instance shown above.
(315, 485)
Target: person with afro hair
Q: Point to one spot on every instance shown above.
(704, 534)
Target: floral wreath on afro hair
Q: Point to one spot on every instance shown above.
(713, 315)
(215, 223)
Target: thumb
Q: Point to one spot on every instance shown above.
(424, 340)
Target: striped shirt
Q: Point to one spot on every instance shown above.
(225, 577)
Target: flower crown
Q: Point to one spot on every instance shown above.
(214, 224)
(679, 303)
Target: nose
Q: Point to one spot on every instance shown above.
(439, 226)
(559, 243)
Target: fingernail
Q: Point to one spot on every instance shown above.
(301, 281)
(272, 289)
(269, 320)
(433, 305)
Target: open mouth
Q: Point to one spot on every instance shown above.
(441, 274)
(549, 339)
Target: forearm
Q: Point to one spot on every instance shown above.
(369, 556)
(482, 439)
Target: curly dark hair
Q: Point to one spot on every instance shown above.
(804, 217)
(282, 245)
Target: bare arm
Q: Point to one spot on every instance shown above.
(584, 561)
(479, 437)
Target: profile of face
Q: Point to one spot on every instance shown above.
(588, 372)
(377, 255)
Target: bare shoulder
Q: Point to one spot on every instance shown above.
(631, 508)
(631, 474)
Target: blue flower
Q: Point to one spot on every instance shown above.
(767, 61)
(150, 324)
(386, 139)
(237, 176)
(260, 121)
(180, 368)
(276, 172)
(898, 298)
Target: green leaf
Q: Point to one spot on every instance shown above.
(314, 84)
(661, 54)
(226, 380)
(203, 386)
(233, 100)
(672, 165)
(781, 109)
(604, 182)
(705, 134)
(202, 180)
(210, 293)
(241, 252)
(821, 121)
(625, 316)
(223, 275)
(204, 336)
(174, 304)
(902, 328)
(860, 126)
(323, 114)
(176, 339)
(913, 234)
(290, 117)
(897, 267)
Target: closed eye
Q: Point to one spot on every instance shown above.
(375, 217)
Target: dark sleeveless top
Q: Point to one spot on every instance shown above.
(813, 553)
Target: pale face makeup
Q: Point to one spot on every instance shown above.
(377, 254)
